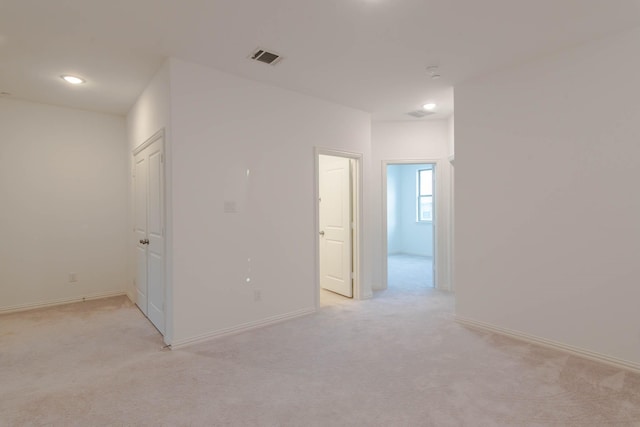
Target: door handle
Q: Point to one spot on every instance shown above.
(144, 242)
(322, 233)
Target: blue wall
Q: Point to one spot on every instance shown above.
(404, 234)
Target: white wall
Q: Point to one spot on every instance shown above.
(411, 140)
(547, 199)
(151, 112)
(63, 190)
(405, 235)
(223, 126)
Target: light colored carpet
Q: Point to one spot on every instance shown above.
(396, 360)
(409, 271)
(328, 298)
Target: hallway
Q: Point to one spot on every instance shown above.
(410, 272)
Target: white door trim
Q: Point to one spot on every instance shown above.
(357, 217)
(156, 136)
(437, 229)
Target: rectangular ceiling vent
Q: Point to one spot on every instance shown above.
(266, 57)
(420, 113)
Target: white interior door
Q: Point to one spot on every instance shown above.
(335, 225)
(149, 232)
(140, 177)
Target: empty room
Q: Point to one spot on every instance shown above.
(204, 220)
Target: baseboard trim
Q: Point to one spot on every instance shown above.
(443, 287)
(241, 328)
(576, 351)
(61, 301)
(131, 296)
(377, 287)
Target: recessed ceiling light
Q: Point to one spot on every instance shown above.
(429, 106)
(74, 80)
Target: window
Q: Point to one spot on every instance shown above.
(425, 195)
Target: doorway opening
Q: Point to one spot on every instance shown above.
(338, 212)
(410, 225)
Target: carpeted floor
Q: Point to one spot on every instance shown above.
(409, 272)
(398, 359)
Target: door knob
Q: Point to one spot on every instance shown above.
(144, 242)
(322, 233)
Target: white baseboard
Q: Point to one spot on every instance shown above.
(576, 351)
(443, 287)
(51, 303)
(241, 328)
(131, 295)
(377, 287)
(367, 295)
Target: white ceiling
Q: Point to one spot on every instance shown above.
(367, 54)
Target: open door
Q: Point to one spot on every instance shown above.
(335, 224)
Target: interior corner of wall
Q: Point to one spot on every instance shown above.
(131, 295)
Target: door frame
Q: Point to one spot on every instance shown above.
(357, 198)
(168, 306)
(437, 176)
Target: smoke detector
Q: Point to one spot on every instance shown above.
(265, 56)
(433, 71)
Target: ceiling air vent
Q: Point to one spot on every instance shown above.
(420, 113)
(266, 57)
